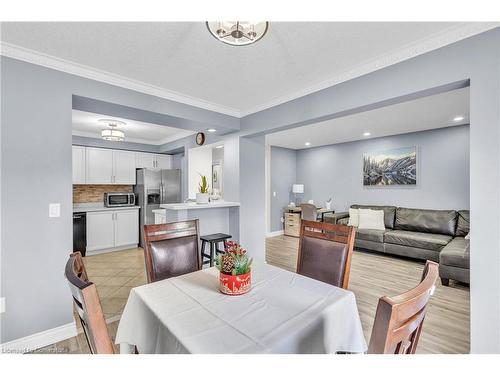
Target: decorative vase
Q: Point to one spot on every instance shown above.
(201, 198)
(235, 285)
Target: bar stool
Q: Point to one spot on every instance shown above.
(214, 240)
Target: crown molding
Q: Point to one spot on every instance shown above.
(52, 62)
(412, 50)
(407, 52)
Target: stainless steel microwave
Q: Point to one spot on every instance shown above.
(119, 199)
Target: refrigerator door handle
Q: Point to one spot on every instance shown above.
(161, 193)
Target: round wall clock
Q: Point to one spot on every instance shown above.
(200, 138)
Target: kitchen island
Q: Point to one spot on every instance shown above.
(214, 217)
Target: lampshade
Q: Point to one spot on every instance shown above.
(298, 188)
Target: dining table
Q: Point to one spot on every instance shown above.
(284, 312)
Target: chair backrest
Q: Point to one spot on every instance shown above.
(88, 306)
(308, 212)
(171, 249)
(325, 252)
(398, 321)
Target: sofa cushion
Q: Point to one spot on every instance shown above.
(463, 223)
(429, 241)
(456, 253)
(428, 221)
(389, 213)
(374, 235)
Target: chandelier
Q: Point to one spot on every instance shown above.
(238, 33)
(112, 133)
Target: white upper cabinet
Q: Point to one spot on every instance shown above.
(163, 161)
(79, 165)
(145, 160)
(153, 161)
(99, 166)
(123, 167)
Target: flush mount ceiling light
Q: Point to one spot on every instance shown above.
(211, 130)
(112, 134)
(307, 143)
(367, 134)
(458, 118)
(238, 33)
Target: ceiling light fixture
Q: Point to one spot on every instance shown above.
(221, 146)
(307, 143)
(211, 130)
(112, 134)
(458, 118)
(238, 33)
(367, 134)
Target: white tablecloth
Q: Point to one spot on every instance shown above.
(283, 313)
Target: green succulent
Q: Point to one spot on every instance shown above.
(203, 186)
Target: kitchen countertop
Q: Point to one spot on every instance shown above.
(95, 207)
(195, 206)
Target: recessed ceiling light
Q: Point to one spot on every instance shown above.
(307, 143)
(211, 130)
(458, 118)
(367, 134)
(221, 146)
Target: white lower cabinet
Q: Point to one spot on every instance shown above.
(126, 227)
(112, 229)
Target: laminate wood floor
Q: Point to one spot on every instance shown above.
(446, 327)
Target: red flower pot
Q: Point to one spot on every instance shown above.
(235, 285)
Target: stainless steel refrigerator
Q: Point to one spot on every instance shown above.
(155, 187)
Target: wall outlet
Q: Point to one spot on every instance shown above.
(2, 305)
(54, 209)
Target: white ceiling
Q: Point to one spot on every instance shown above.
(87, 124)
(431, 112)
(188, 64)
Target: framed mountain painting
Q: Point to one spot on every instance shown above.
(390, 167)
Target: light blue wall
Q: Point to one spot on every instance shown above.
(476, 59)
(36, 163)
(442, 162)
(36, 170)
(283, 175)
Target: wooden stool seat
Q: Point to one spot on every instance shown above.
(213, 240)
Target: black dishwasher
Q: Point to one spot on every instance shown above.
(80, 232)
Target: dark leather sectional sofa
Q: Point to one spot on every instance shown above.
(436, 235)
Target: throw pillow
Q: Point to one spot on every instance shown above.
(371, 219)
(353, 217)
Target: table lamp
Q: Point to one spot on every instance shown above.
(297, 189)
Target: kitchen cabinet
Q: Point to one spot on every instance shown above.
(123, 167)
(112, 229)
(100, 230)
(126, 227)
(153, 161)
(78, 160)
(105, 166)
(145, 160)
(163, 161)
(99, 166)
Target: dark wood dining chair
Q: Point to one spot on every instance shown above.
(171, 249)
(325, 252)
(88, 306)
(308, 211)
(399, 320)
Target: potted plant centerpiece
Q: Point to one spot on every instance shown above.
(235, 270)
(202, 195)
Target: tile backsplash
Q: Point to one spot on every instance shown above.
(95, 193)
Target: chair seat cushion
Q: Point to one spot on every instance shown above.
(374, 235)
(429, 241)
(456, 253)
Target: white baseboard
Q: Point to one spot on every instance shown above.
(39, 340)
(275, 233)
